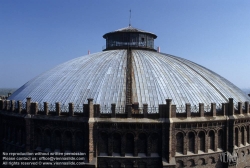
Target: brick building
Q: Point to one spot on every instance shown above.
(130, 106)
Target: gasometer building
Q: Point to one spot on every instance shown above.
(130, 106)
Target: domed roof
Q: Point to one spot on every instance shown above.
(155, 77)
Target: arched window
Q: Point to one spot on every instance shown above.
(9, 133)
(201, 162)
(129, 143)
(220, 139)
(79, 142)
(242, 135)
(190, 163)
(103, 145)
(142, 143)
(23, 137)
(12, 134)
(116, 143)
(155, 143)
(201, 141)
(179, 143)
(19, 136)
(211, 140)
(47, 139)
(236, 136)
(248, 134)
(67, 141)
(38, 137)
(191, 142)
(6, 131)
(16, 135)
(57, 140)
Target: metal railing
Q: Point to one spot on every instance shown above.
(52, 107)
(120, 110)
(180, 109)
(207, 109)
(218, 108)
(24, 106)
(104, 47)
(194, 109)
(40, 107)
(153, 110)
(78, 109)
(105, 109)
(64, 108)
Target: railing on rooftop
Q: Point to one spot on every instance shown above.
(125, 46)
(130, 110)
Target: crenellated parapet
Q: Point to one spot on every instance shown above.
(56, 109)
(134, 110)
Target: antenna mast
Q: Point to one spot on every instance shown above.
(130, 18)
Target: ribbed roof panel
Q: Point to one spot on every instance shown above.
(161, 76)
(156, 77)
(101, 76)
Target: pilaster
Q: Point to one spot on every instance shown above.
(145, 110)
(168, 112)
(201, 109)
(231, 107)
(185, 147)
(216, 141)
(7, 105)
(46, 108)
(240, 108)
(34, 108)
(213, 109)
(1, 104)
(247, 107)
(245, 136)
(188, 110)
(92, 133)
(206, 143)
(91, 108)
(58, 109)
(196, 144)
(19, 107)
(28, 103)
(129, 110)
(28, 137)
(13, 107)
(71, 109)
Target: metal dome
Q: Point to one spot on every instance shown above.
(155, 77)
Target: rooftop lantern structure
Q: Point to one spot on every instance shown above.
(129, 37)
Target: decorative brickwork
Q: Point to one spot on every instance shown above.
(142, 139)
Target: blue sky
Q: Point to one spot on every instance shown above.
(36, 35)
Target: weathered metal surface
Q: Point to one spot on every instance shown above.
(161, 76)
(101, 76)
(156, 77)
